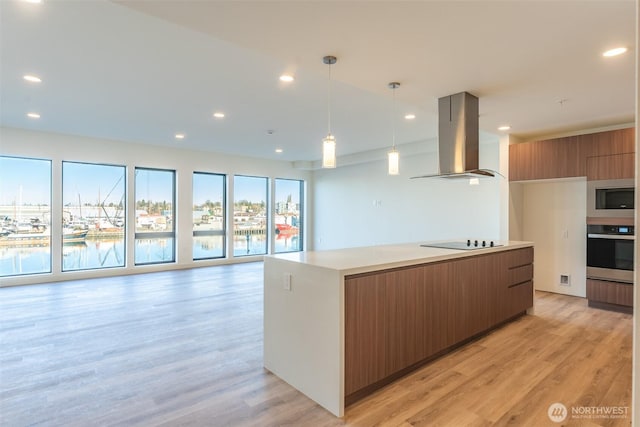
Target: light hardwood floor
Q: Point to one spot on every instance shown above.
(185, 348)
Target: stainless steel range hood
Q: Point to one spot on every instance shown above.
(458, 138)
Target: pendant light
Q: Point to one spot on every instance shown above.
(329, 142)
(393, 156)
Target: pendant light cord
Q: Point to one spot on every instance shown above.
(329, 102)
(393, 120)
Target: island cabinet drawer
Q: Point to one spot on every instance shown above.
(519, 257)
(519, 298)
(518, 275)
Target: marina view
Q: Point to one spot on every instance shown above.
(94, 219)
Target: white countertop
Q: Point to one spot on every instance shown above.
(371, 258)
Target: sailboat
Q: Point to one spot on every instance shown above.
(40, 237)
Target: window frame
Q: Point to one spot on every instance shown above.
(155, 234)
(301, 227)
(267, 214)
(50, 206)
(225, 227)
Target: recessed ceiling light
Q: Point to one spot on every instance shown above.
(410, 116)
(506, 127)
(33, 1)
(287, 78)
(179, 135)
(33, 115)
(615, 52)
(32, 78)
(279, 150)
(218, 115)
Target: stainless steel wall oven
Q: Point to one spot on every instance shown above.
(610, 252)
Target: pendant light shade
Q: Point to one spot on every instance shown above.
(393, 157)
(329, 152)
(329, 142)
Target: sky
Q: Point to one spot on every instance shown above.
(28, 179)
(90, 183)
(87, 182)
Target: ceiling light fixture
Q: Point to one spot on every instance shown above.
(179, 135)
(505, 127)
(279, 150)
(33, 1)
(410, 116)
(615, 52)
(33, 115)
(329, 142)
(287, 78)
(393, 157)
(31, 78)
(218, 115)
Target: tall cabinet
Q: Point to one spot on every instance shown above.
(597, 156)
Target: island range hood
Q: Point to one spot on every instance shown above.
(458, 138)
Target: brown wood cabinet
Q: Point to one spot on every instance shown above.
(610, 295)
(396, 320)
(616, 166)
(568, 157)
(554, 158)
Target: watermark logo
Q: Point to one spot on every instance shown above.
(557, 412)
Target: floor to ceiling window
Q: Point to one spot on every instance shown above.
(154, 213)
(93, 215)
(288, 215)
(249, 215)
(25, 216)
(208, 215)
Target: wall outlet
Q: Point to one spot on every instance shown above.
(286, 282)
(565, 280)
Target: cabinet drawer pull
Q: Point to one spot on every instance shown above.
(519, 283)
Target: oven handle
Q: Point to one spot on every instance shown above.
(611, 236)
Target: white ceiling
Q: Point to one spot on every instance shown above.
(144, 70)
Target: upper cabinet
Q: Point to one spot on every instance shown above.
(602, 155)
(616, 166)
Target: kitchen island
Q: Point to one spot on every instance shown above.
(340, 324)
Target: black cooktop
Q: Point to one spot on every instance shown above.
(468, 245)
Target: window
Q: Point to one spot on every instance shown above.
(249, 215)
(93, 216)
(208, 215)
(288, 215)
(25, 216)
(155, 232)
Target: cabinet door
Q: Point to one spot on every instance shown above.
(554, 158)
(437, 304)
(610, 292)
(617, 166)
(365, 329)
(401, 326)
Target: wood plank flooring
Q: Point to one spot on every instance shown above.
(185, 348)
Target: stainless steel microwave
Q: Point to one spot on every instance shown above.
(614, 198)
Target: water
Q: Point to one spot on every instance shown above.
(110, 252)
(25, 260)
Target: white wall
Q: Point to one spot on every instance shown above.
(553, 216)
(361, 205)
(57, 147)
